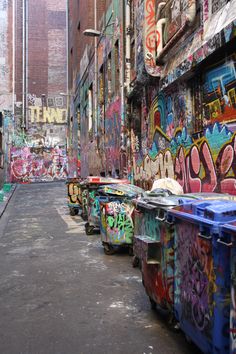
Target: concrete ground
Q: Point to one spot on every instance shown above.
(59, 293)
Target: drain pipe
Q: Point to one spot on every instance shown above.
(189, 20)
(122, 85)
(128, 46)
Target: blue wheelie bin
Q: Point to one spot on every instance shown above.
(228, 239)
(202, 273)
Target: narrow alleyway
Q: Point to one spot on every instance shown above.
(59, 293)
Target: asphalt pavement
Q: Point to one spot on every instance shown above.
(59, 292)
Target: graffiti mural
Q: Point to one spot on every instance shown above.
(203, 165)
(188, 138)
(219, 101)
(37, 165)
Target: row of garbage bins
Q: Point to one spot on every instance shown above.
(185, 246)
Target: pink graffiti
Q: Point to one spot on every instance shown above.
(28, 165)
(197, 171)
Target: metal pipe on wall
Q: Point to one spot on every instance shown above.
(122, 87)
(95, 72)
(24, 62)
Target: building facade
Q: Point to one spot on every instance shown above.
(35, 116)
(156, 93)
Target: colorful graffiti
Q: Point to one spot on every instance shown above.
(119, 222)
(151, 38)
(203, 161)
(37, 164)
(93, 207)
(219, 101)
(74, 193)
(203, 165)
(47, 115)
(194, 277)
(112, 141)
(158, 278)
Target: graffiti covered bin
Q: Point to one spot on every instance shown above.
(74, 195)
(139, 219)
(228, 239)
(202, 272)
(117, 216)
(92, 184)
(154, 248)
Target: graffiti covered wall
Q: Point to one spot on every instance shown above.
(201, 161)
(38, 164)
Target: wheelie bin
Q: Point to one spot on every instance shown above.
(139, 217)
(92, 184)
(154, 248)
(117, 216)
(74, 195)
(202, 273)
(228, 239)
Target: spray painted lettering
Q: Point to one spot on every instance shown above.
(119, 222)
(47, 115)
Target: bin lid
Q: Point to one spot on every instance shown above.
(206, 211)
(229, 228)
(162, 202)
(104, 180)
(211, 196)
(123, 190)
(159, 192)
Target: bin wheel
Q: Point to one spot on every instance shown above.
(108, 249)
(89, 229)
(131, 253)
(73, 211)
(153, 303)
(135, 262)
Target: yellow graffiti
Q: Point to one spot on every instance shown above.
(49, 115)
(162, 166)
(214, 108)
